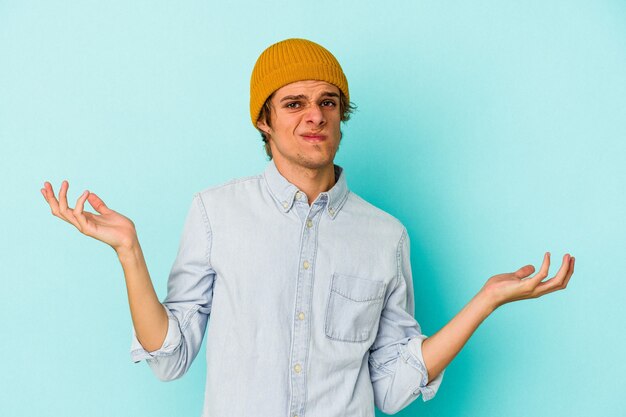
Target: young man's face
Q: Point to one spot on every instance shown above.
(305, 121)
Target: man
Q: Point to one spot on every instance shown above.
(306, 286)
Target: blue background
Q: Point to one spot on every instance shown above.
(494, 130)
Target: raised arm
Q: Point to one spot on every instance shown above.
(439, 349)
(149, 317)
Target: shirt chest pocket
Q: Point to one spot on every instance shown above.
(353, 309)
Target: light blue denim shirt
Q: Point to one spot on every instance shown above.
(310, 309)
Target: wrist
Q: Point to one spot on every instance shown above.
(484, 303)
(129, 250)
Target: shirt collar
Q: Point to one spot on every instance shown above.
(284, 192)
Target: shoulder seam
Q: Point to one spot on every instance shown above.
(399, 255)
(207, 225)
(380, 211)
(231, 182)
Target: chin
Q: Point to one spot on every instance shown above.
(315, 163)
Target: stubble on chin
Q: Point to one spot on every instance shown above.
(308, 162)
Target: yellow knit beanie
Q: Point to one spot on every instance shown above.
(289, 61)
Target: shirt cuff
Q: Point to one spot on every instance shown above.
(412, 354)
(170, 344)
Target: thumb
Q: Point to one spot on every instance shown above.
(524, 271)
(97, 203)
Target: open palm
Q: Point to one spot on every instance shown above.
(108, 226)
(519, 285)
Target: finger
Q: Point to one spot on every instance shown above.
(97, 203)
(47, 192)
(562, 272)
(51, 199)
(559, 281)
(63, 196)
(64, 209)
(543, 271)
(570, 272)
(78, 211)
(524, 271)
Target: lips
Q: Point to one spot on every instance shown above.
(313, 137)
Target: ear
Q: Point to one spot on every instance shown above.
(263, 126)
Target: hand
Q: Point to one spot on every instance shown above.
(519, 285)
(109, 227)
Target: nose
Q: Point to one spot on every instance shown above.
(315, 115)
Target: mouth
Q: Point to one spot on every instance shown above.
(313, 137)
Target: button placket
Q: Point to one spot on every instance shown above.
(304, 286)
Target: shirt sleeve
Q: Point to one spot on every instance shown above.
(188, 301)
(396, 365)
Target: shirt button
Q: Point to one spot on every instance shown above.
(285, 204)
(297, 368)
(298, 195)
(301, 316)
(306, 265)
(331, 211)
(309, 223)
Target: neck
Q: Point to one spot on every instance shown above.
(311, 181)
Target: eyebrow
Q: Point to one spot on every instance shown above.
(302, 96)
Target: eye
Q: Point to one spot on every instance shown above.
(292, 105)
(328, 103)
